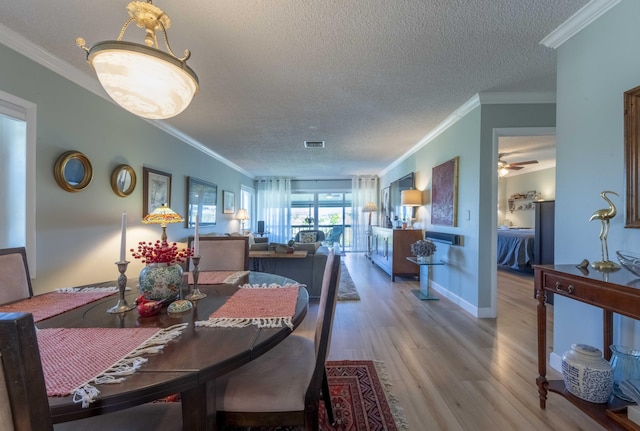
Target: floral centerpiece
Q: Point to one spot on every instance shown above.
(160, 280)
(423, 248)
(161, 252)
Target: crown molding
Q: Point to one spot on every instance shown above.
(579, 20)
(468, 106)
(25, 47)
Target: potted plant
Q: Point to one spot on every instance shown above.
(423, 249)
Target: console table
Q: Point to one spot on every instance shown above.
(613, 292)
(425, 279)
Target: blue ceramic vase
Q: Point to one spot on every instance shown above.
(160, 282)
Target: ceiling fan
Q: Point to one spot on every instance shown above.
(504, 167)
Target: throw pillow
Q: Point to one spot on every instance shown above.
(307, 237)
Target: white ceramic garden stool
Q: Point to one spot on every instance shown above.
(586, 374)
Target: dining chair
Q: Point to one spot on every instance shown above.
(284, 386)
(15, 282)
(222, 253)
(23, 397)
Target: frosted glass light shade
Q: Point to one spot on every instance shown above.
(145, 81)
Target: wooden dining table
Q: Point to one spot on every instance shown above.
(188, 365)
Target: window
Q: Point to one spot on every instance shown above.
(330, 212)
(246, 202)
(17, 175)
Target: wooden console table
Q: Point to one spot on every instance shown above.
(613, 292)
(297, 254)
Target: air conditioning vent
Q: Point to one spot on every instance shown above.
(314, 144)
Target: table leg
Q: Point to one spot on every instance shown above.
(425, 280)
(541, 381)
(199, 408)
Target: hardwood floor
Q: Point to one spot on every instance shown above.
(449, 370)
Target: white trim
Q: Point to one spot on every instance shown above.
(28, 112)
(34, 52)
(555, 361)
(468, 106)
(481, 313)
(579, 20)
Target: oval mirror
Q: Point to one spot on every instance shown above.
(73, 171)
(123, 180)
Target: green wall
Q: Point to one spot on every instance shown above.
(78, 234)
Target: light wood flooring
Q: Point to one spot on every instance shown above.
(449, 370)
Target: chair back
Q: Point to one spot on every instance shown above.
(15, 282)
(222, 253)
(23, 396)
(324, 322)
(335, 234)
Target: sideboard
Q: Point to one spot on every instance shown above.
(390, 249)
(613, 292)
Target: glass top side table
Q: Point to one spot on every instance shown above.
(425, 277)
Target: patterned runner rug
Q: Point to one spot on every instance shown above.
(347, 289)
(360, 397)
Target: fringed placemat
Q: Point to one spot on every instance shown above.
(266, 306)
(75, 359)
(221, 277)
(59, 301)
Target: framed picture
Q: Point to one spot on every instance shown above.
(156, 190)
(632, 156)
(202, 201)
(384, 207)
(228, 202)
(444, 193)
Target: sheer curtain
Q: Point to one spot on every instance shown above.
(363, 190)
(273, 204)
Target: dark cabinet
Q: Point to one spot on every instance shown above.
(543, 242)
(390, 249)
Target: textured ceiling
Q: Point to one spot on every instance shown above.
(369, 77)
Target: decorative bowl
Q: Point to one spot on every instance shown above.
(630, 261)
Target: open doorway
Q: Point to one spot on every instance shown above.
(524, 177)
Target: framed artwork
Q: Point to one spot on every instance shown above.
(202, 199)
(444, 193)
(156, 190)
(384, 207)
(228, 202)
(632, 156)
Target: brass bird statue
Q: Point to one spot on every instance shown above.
(604, 215)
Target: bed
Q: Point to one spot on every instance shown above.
(515, 248)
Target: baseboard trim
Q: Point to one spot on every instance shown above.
(481, 313)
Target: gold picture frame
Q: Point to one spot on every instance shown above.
(156, 190)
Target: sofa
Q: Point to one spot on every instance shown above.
(308, 270)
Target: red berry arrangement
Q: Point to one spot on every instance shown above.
(161, 252)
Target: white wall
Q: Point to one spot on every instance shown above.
(78, 234)
(595, 68)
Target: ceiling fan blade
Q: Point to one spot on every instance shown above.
(514, 168)
(528, 162)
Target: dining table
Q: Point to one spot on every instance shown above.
(188, 365)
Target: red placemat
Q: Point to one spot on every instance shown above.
(265, 306)
(73, 359)
(53, 303)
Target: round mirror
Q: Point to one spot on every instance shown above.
(123, 180)
(73, 171)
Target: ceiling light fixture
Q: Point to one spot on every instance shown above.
(143, 79)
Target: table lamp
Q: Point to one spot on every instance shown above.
(411, 198)
(163, 215)
(242, 216)
(370, 208)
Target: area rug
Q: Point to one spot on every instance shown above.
(347, 290)
(360, 397)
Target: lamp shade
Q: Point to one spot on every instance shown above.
(242, 214)
(411, 198)
(370, 207)
(145, 81)
(162, 215)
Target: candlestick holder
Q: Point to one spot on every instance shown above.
(195, 293)
(122, 305)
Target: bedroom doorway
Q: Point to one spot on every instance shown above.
(524, 174)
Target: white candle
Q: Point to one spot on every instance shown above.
(123, 237)
(196, 240)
